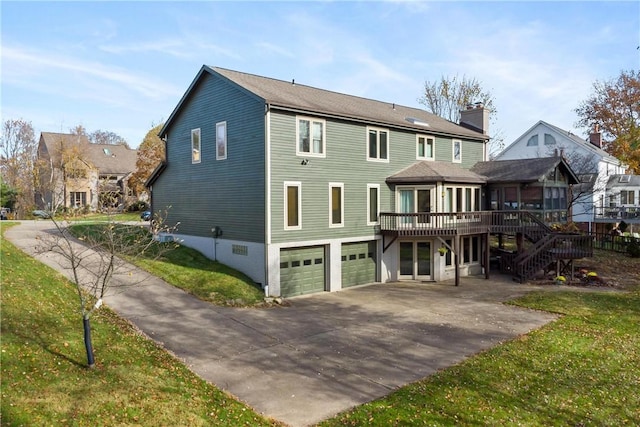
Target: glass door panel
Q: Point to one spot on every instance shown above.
(423, 260)
(415, 261)
(406, 260)
(424, 205)
(407, 204)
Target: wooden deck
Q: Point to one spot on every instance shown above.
(459, 223)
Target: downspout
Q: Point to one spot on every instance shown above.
(267, 193)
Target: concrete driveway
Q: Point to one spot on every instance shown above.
(324, 353)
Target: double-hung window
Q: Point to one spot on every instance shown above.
(424, 147)
(78, 198)
(221, 141)
(377, 144)
(627, 197)
(311, 137)
(196, 153)
(373, 204)
(292, 205)
(336, 204)
(457, 151)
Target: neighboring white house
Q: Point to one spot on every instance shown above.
(586, 157)
(622, 203)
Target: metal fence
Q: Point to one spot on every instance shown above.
(611, 242)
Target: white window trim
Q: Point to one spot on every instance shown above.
(218, 125)
(378, 159)
(286, 204)
(453, 151)
(333, 185)
(369, 187)
(454, 202)
(324, 138)
(193, 160)
(433, 147)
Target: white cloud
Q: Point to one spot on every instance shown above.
(273, 48)
(181, 48)
(16, 60)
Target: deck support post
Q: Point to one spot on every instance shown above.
(487, 255)
(456, 257)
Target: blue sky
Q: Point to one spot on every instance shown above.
(123, 66)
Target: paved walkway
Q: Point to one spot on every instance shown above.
(325, 353)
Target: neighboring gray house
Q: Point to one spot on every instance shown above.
(586, 157)
(307, 190)
(75, 173)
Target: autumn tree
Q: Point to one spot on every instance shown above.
(99, 136)
(447, 96)
(18, 152)
(614, 106)
(94, 257)
(107, 137)
(151, 153)
(66, 166)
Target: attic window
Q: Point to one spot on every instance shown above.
(586, 178)
(418, 122)
(533, 141)
(625, 178)
(549, 139)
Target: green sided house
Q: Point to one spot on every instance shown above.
(307, 190)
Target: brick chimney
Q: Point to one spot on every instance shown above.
(595, 137)
(475, 117)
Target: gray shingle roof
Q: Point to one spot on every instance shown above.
(427, 171)
(117, 160)
(626, 181)
(521, 170)
(299, 97)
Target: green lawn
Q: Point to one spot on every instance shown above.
(581, 370)
(190, 270)
(44, 379)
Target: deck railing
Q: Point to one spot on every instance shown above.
(627, 213)
(431, 224)
(440, 223)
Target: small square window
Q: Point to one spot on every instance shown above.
(311, 137)
(377, 144)
(425, 147)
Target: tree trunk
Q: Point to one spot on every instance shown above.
(87, 342)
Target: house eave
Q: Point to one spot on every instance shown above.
(155, 174)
